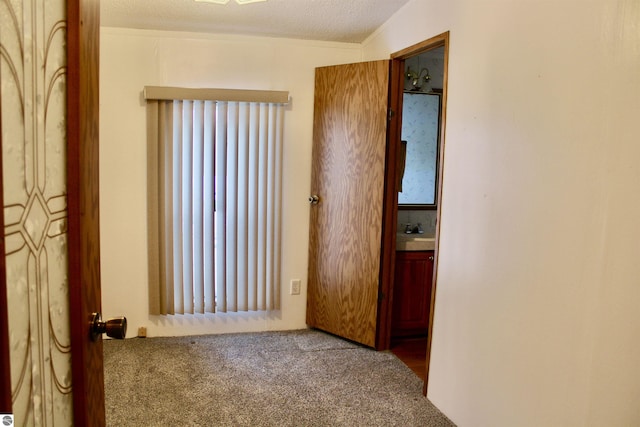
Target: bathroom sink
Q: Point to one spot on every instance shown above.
(414, 242)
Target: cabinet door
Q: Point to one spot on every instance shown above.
(412, 293)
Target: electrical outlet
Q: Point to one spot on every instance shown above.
(295, 287)
(142, 332)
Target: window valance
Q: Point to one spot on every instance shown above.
(166, 93)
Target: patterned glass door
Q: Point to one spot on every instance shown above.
(33, 96)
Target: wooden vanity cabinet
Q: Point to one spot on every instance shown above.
(412, 293)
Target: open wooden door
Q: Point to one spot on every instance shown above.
(83, 47)
(347, 187)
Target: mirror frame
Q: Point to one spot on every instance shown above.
(428, 206)
(437, 91)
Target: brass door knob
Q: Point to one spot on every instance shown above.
(114, 328)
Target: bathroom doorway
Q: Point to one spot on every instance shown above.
(425, 68)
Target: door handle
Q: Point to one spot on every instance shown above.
(314, 199)
(114, 328)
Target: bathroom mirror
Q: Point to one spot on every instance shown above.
(420, 134)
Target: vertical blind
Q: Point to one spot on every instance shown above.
(215, 190)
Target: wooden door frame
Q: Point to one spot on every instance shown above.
(5, 367)
(391, 194)
(83, 47)
(390, 208)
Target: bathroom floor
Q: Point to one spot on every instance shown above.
(413, 353)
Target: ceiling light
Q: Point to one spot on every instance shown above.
(227, 1)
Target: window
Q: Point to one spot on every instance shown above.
(214, 202)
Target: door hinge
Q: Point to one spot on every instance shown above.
(390, 114)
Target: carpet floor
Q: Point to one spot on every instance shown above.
(292, 378)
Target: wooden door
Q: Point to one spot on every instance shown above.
(348, 176)
(5, 368)
(83, 27)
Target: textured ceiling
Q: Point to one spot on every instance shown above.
(329, 20)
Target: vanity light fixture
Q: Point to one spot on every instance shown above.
(227, 1)
(416, 78)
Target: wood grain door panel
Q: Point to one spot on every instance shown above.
(348, 174)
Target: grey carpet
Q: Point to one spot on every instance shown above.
(293, 378)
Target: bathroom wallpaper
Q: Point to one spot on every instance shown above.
(33, 96)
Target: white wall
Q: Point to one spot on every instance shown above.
(537, 319)
(131, 59)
